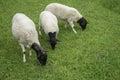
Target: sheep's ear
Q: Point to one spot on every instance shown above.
(58, 40)
(50, 33)
(54, 33)
(86, 21)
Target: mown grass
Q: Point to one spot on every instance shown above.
(92, 54)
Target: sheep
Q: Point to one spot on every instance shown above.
(24, 31)
(68, 14)
(49, 23)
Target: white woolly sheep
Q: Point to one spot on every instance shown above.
(23, 29)
(68, 14)
(50, 25)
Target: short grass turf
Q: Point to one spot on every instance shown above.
(92, 54)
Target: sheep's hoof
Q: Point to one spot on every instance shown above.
(24, 61)
(75, 32)
(30, 53)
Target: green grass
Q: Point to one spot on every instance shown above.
(93, 54)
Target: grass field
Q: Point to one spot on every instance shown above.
(93, 54)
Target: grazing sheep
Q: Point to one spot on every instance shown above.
(50, 25)
(68, 14)
(23, 29)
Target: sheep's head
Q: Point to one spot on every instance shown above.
(41, 54)
(42, 57)
(53, 43)
(82, 22)
(52, 40)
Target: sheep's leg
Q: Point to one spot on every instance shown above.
(72, 25)
(40, 30)
(66, 25)
(23, 50)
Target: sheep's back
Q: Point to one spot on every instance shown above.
(49, 22)
(59, 10)
(62, 11)
(23, 28)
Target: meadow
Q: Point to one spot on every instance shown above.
(92, 54)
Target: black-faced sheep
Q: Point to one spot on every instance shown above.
(49, 23)
(23, 29)
(68, 14)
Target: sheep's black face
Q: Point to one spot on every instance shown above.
(82, 22)
(53, 43)
(53, 40)
(42, 58)
(41, 54)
